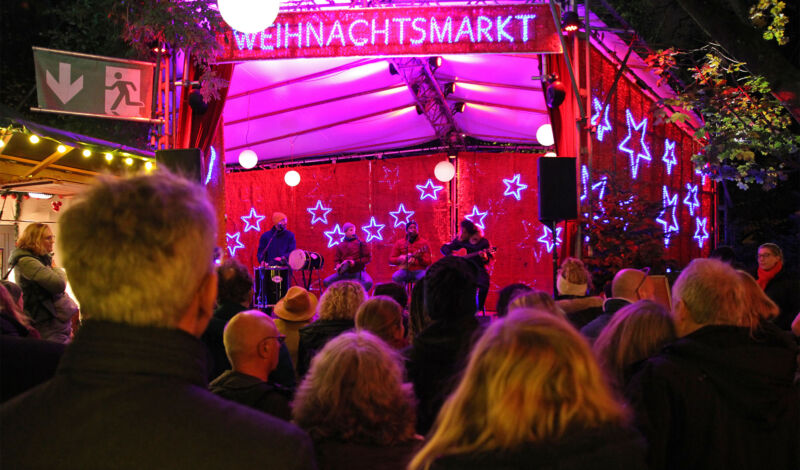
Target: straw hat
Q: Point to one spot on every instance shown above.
(297, 305)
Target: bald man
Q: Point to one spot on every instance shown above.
(628, 286)
(252, 343)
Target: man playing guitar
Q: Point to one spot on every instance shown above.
(412, 253)
(352, 256)
(472, 245)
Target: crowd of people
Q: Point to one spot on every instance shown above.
(172, 368)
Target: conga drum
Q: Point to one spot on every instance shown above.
(300, 260)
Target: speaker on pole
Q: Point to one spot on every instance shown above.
(185, 162)
(558, 190)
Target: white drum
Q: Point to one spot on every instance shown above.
(305, 260)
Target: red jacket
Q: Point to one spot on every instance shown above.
(419, 251)
(355, 250)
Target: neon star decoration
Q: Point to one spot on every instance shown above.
(401, 216)
(669, 155)
(517, 187)
(248, 221)
(335, 236)
(429, 190)
(373, 230)
(600, 187)
(602, 127)
(232, 247)
(477, 217)
(547, 238)
(691, 198)
(316, 211)
(670, 205)
(644, 153)
(211, 163)
(700, 232)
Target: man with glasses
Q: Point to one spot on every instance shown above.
(780, 284)
(628, 286)
(252, 343)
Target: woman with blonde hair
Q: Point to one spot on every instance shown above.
(336, 310)
(43, 285)
(535, 299)
(635, 332)
(382, 316)
(532, 396)
(757, 307)
(356, 408)
(572, 283)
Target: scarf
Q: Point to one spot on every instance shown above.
(765, 276)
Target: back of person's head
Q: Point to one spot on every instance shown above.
(250, 337)
(341, 300)
(631, 284)
(32, 238)
(635, 332)
(9, 306)
(137, 250)
(383, 317)
(756, 306)
(393, 290)
(710, 291)
(14, 290)
(535, 299)
(723, 253)
(418, 318)
(506, 294)
(573, 278)
(354, 392)
(531, 377)
(450, 289)
(234, 282)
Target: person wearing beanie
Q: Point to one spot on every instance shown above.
(352, 257)
(274, 247)
(412, 254)
(473, 246)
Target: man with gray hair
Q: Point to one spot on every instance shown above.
(130, 391)
(721, 395)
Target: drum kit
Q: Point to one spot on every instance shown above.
(272, 282)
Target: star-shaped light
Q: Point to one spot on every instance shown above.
(401, 216)
(644, 153)
(211, 163)
(547, 238)
(232, 247)
(605, 125)
(669, 155)
(335, 236)
(700, 233)
(248, 221)
(376, 235)
(691, 198)
(517, 187)
(316, 211)
(477, 217)
(429, 190)
(670, 204)
(702, 175)
(600, 187)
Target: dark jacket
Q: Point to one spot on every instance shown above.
(784, 290)
(253, 392)
(477, 261)
(597, 449)
(40, 284)
(129, 397)
(580, 310)
(25, 363)
(610, 307)
(353, 249)
(434, 360)
(314, 337)
(275, 244)
(719, 399)
(336, 455)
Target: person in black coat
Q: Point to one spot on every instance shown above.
(474, 247)
(779, 283)
(532, 396)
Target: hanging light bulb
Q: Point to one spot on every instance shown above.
(109, 156)
(148, 166)
(87, 153)
(34, 139)
(544, 134)
(292, 178)
(444, 171)
(249, 16)
(248, 159)
(61, 149)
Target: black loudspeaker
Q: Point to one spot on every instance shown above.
(558, 190)
(185, 162)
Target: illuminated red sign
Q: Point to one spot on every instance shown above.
(399, 32)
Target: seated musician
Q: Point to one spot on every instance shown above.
(275, 245)
(352, 257)
(471, 244)
(412, 253)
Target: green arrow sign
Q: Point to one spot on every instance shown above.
(73, 83)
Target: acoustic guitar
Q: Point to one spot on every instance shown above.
(416, 254)
(462, 252)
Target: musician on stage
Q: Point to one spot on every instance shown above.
(276, 244)
(352, 257)
(412, 253)
(472, 245)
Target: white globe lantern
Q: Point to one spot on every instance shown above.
(550, 154)
(248, 159)
(444, 171)
(249, 16)
(545, 135)
(292, 178)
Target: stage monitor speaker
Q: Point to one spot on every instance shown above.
(185, 162)
(558, 191)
